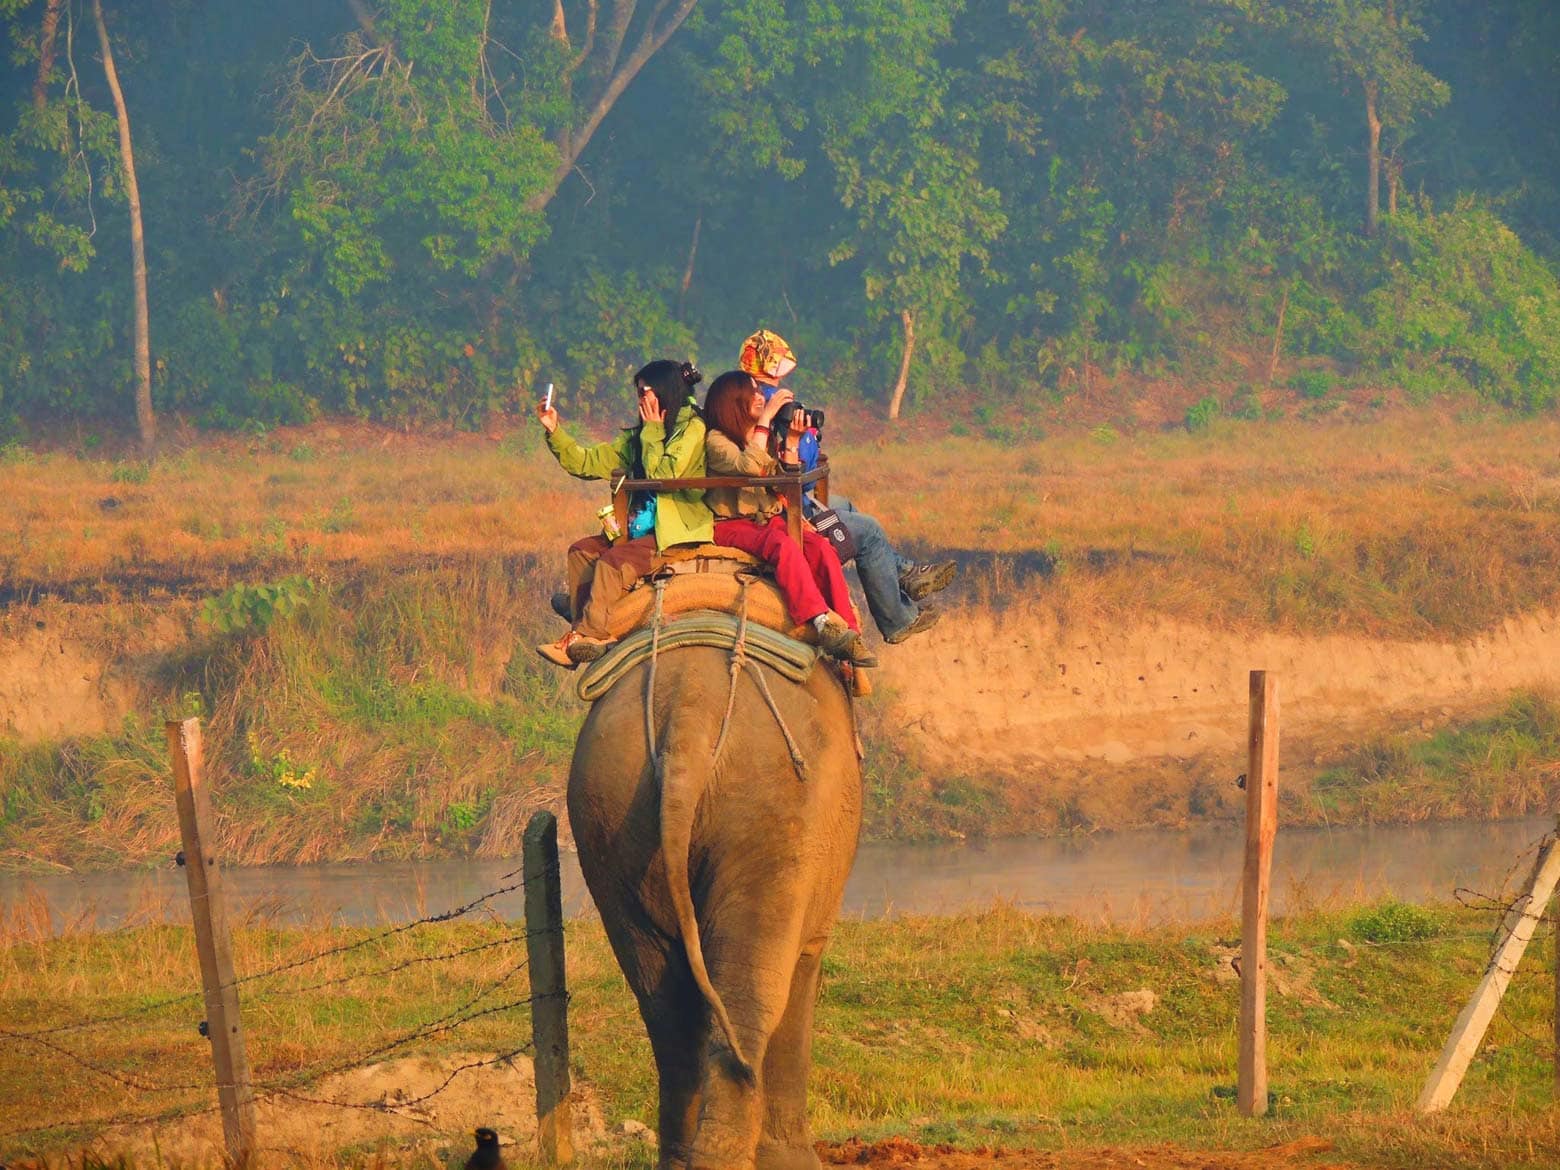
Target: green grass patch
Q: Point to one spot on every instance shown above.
(1507, 764)
(990, 1028)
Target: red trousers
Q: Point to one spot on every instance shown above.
(810, 577)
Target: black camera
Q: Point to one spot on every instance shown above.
(810, 418)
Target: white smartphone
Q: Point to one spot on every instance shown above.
(547, 402)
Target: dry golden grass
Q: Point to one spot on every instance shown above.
(1398, 525)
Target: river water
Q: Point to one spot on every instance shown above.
(1133, 878)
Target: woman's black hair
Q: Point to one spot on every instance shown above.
(673, 383)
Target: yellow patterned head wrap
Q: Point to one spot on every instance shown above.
(766, 356)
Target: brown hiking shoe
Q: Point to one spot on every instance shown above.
(558, 652)
(920, 581)
(836, 636)
(924, 620)
(858, 654)
(584, 648)
(839, 640)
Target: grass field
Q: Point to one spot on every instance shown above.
(995, 1029)
(345, 603)
(1395, 524)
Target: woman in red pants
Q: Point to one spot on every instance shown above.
(753, 519)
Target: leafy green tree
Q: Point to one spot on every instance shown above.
(903, 164)
(1120, 136)
(58, 171)
(1369, 47)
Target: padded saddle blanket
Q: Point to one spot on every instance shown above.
(767, 647)
(707, 577)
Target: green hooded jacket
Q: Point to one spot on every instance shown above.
(680, 517)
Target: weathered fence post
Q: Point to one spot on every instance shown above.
(1516, 931)
(235, 1093)
(1251, 1088)
(549, 989)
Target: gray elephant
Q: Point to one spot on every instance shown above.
(719, 883)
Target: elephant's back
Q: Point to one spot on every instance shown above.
(792, 770)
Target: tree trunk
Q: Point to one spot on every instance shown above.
(572, 140)
(693, 252)
(46, 41)
(1278, 336)
(145, 419)
(1394, 168)
(1372, 162)
(897, 398)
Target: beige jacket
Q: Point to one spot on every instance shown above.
(723, 457)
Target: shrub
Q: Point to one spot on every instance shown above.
(1394, 922)
(1312, 385)
(251, 608)
(1200, 415)
(1464, 303)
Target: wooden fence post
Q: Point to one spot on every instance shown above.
(1516, 931)
(1251, 1089)
(549, 989)
(235, 1093)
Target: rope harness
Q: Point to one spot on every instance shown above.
(739, 660)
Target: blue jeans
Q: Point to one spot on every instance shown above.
(878, 564)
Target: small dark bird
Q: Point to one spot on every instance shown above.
(486, 1155)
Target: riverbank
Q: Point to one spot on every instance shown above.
(983, 1030)
(1147, 877)
(352, 613)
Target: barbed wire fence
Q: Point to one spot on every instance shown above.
(531, 983)
(1518, 918)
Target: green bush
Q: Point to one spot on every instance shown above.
(1394, 922)
(1464, 304)
(1312, 385)
(252, 608)
(1200, 415)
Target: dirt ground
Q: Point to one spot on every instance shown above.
(410, 1107)
(907, 1155)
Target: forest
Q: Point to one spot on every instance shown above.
(423, 210)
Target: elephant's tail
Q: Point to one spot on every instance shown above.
(685, 770)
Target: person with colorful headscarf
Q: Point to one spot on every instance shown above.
(895, 586)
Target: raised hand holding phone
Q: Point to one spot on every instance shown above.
(545, 411)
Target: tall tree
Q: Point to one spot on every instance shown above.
(1369, 45)
(596, 71)
(146, 421)
(48, 31)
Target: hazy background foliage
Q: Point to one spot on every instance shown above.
(356, 208)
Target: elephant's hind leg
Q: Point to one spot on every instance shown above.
(786, 1142)
(678, 1021)
(751, 972)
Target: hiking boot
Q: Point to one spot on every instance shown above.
(584, 648)
(924, 620)
(840, 641)
(560, 606)
(857, 653)
(836, 635)
(558, 652)
(920, 581)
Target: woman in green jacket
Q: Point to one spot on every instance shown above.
(668, 443)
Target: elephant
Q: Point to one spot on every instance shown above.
(719, 881)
